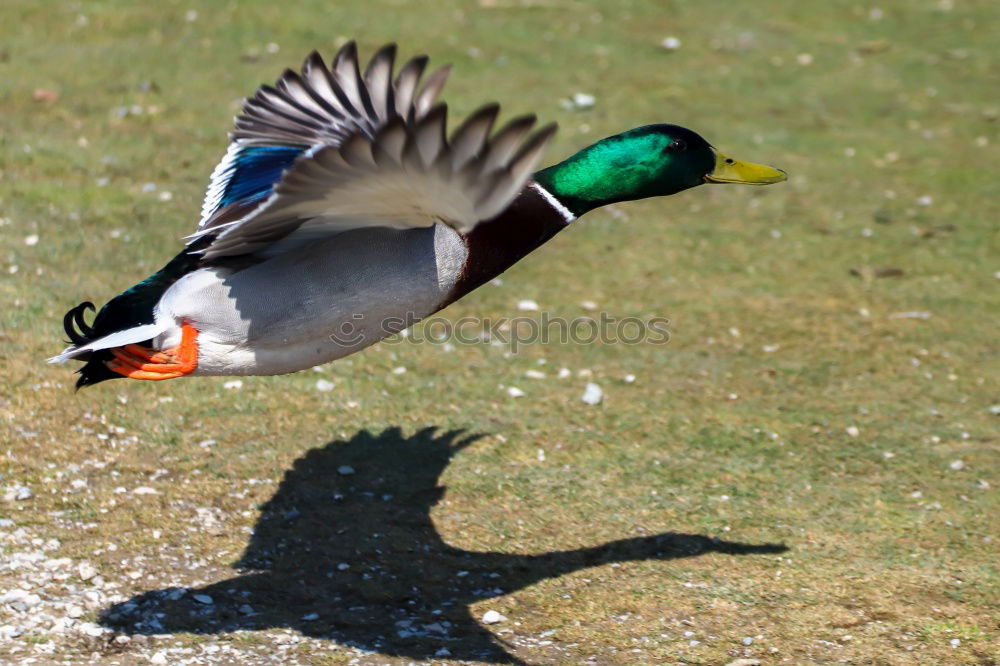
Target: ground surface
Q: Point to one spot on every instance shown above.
(849, 417)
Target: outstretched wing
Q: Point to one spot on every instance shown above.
(318, 107)
(407, 175)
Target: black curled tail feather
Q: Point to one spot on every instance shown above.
(76, 327)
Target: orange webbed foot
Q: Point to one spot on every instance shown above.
(137, 362)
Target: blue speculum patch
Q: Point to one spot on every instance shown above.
(257, 170)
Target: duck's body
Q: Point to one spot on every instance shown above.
(339, 295)
(341, 214)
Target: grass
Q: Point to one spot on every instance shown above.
(872, 111)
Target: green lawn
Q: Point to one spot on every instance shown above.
(849, 417)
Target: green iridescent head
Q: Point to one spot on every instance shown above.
(650, 161)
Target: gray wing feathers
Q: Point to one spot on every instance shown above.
(377, 155)
(407, 176)
(324, 105)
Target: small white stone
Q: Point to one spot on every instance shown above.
(10, 631)
(748, 640)
(233, 384)
(86, 571)
(204, 599)
(31, 600)
(145, 490)
(564, 373)
(527, 305)
(399, 370)
(492, 617)
(957, 465)
(165, 196)
(206, 443)
(13, 595)
(31, 240)
(534, 374)
(159, 657)
(93, 630)
(853, 431)
(592, 395)
(343, 566)
(954, 643)
(804, 59)
(583, 100)
(588, 305)
(345, 470)
(629, 379)
(770, 349)
(324, 385)
(671, 43)
(191, 15)
(311, 617)
(925, 200)
(514, 392)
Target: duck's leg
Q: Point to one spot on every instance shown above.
(136, 362)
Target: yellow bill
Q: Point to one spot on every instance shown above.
(728, 170)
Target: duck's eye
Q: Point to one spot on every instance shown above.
(678, 146)
(730, 160)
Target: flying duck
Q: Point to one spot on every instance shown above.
(342, 212)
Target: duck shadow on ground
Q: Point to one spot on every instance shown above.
(358, 560)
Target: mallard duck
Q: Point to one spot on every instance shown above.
(342, 213)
